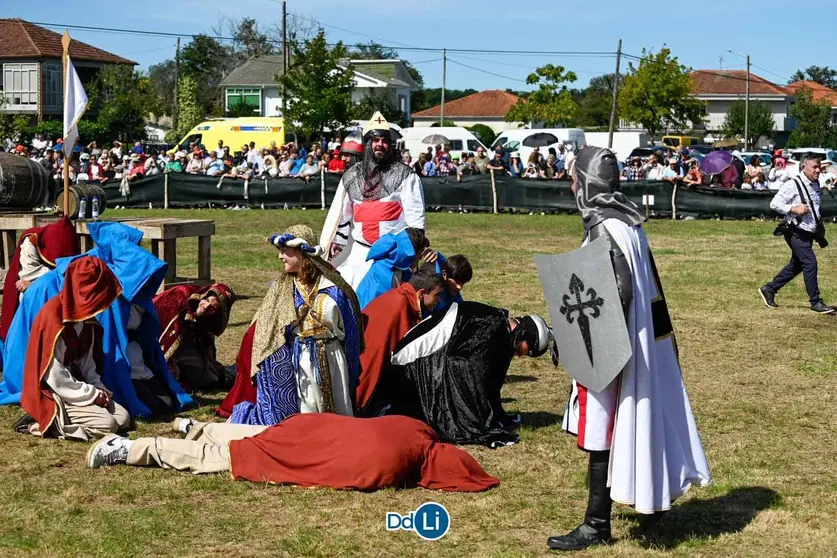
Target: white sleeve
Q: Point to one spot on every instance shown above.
(412, 199)
(62, 383)
(31, 264)
(782, 201)
(338, 223)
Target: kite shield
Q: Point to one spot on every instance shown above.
(587, 318)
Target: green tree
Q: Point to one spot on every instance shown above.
(485, 134)
(319, 89)
(761, 120)
(240, 109)
(813, 122)
(380, 101)
(594, 102)
(819, 74)
(189, 113)
(657, 94)
(444, 124)
(122, 98)
(207, 61)
(552, 104)
(249, 41)
(162, 79)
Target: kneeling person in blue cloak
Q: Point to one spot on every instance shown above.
(134, 367)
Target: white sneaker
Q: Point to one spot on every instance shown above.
(182, 425)
(110, 450)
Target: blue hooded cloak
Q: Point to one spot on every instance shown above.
(391, 253)
(140, 274)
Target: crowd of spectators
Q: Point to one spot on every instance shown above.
(92, 163)
(439, 161)
(680, 166)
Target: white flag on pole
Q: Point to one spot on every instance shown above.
(75, 103)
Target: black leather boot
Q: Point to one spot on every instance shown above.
(596, 527)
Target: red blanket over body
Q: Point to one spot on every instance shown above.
(359, 454)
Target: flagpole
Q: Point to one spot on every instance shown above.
(65, 42)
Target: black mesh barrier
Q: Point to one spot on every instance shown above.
(473, 193)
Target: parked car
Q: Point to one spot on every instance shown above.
(797, 154)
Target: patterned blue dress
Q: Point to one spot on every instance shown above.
(277, 395)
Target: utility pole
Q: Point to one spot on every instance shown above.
(747, 109)
(176, 85)
(444, 76)
(615, 96)
(285, 58)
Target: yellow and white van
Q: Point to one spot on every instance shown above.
(235, 132)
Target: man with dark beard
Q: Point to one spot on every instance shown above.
(378, 196)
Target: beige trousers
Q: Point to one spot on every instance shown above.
(86, 422)
(205, 449)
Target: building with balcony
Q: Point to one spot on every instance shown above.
(32, 82)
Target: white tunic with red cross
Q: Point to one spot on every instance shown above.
(365, 221)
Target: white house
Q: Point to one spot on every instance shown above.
(253, 83)
(820, 94)
(720, 88)
(485, 107)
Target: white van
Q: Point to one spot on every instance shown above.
(458, 138)
(513, 140)
(623, 142)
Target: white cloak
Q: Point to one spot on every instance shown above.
(643, 417)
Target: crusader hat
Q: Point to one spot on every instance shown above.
(378, 126)
(535, 332)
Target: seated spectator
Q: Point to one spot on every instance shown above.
(296, 163)
(176, 164)
(195, 165)
(635, 171)
(693, 177)
(549, 168)
(672, 174)
(406, 158)
(137, 167)
(137, 149)
(745, 183)
(309, 169)
(82, 171)
(418, 166)
(497, 164)
(337, 165)
(515, 166)
(429, 168)
(760, 182)
(270, 167)
(445, 167)
(532, 171)
(467, 166)
(150, 166)
(653, 170)
(322, 166)
(215, 166)
(284, 166)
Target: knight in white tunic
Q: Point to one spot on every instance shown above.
(643, 444)
(378, 196)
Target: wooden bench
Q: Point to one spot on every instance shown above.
(163, 233)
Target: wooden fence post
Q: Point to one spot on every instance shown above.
(322, 188)
(494, 191)
(674, 203)
(166, 190)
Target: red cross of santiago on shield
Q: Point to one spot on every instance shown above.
(370, 214)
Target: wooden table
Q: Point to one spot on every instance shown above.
(163, 233)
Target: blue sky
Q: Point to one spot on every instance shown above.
(768, 30)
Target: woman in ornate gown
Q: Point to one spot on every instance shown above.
(301, 354)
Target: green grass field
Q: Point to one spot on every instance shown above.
(762, 384)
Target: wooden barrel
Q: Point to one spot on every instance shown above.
(24, 183)
(86, 192)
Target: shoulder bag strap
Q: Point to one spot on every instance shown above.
(806, 198)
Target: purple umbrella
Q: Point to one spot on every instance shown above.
(716, 162)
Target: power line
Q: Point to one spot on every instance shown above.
(580, 54)
(485, 71)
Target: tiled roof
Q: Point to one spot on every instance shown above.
(256, 71)
(820, 92)
(21, 39)
(485, 104)
(733, 82)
